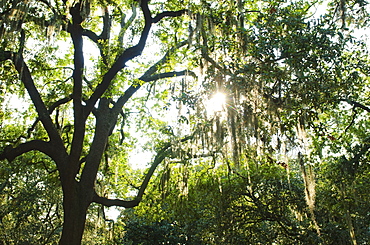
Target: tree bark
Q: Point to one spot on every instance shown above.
(75, 204)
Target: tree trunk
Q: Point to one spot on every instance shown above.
(75, 205)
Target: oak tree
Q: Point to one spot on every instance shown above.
(44, 44)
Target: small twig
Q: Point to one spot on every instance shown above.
(356, 104)
(350, 124)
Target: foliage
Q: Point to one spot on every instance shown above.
(31, 203)
(140, 232)
(263, 204)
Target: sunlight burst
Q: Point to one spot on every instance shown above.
(216, 103)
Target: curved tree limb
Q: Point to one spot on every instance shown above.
(164, 14)
(115, 202)
(55, 147)
(149, 77)
(356, 104)
(104, 35)
(161, 155)
(103, 125)
(7, 55)
(107, 23)
(91, 35)
(11, 153)
(58, 103)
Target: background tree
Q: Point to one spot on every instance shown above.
(296, 101)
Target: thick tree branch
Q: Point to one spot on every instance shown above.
(79, 118)
(164, 14)
(58, 103)
(6, 55)
(168, 75)
(11, 153)
(98, 145)
(161, 155)
(76, 34)
(107, 23)
(105, 34)
(92, 35)
(115, 202)
(107, 117)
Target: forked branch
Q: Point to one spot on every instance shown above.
(50, 110)
(150, 76)
(129, 53)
